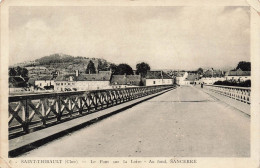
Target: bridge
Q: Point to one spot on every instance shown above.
(158, 121)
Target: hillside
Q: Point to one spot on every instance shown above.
(66, 63)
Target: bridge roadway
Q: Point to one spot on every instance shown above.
(185, 122)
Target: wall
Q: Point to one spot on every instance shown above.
(42, 83)
(153, 82)
(211, 81)
(180, 80)
(81, 85)
(236, 78)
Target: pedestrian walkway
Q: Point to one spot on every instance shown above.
(185, 122)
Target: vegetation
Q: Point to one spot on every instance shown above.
(18, 71)
(103, 66)
(142, 69)
(55, 58)
(200, 71)
(122, 69)
(244, 66)
(91, 69)
(113, 68)
(246, 83)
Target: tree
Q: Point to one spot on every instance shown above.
(102, 66)
(124, 69)
(113, 68)
(91, 69)
(18, 71)
(244, 66)
(12, 72)
(200, 71)
(24, 72)
(142, 69)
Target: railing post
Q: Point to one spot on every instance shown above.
(80, 104)
(58, 108)
(25, 124)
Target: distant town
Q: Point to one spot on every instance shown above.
(64, 73)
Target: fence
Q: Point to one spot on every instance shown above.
(238, 93)
(29, 113)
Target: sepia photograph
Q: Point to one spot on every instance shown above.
(128, 81)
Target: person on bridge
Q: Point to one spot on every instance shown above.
(201, 85)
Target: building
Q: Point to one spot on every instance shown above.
(180, 78)
(45, 82)
(157, 78)
(211, 80)
(211, 76)
(192, 79)
(213, 73)
(238, 75)
(123, 81)
(83, 82)
(17, 84)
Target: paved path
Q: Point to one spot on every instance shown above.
(185, 122)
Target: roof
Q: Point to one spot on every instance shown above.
(32, 80)
(157, 75)
(180, 74)
(192, 77)
(85, 77)
(16, 81)
(126, 80)
(216, 73)
(239, 73)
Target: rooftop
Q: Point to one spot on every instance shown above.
(126, 80)
(85, 77)
(157, 75)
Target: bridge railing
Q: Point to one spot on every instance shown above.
(238, 93)
(28, 113)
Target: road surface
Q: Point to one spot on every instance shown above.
(185, 122)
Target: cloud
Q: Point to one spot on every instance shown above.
(165, 37)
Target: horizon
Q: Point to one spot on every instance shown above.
(134, 68)
(183, 38)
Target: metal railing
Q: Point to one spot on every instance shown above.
(238, 93)
(28, 113)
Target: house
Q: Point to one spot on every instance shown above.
(83, 82)
(180, 78)
(211, 80)
(213, 73)
(192, 79)
(123, 81)
(238, 75)
(17, 84)
(157, 78)
(45, 82)
(211, 76)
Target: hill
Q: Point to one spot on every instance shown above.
(66, 63)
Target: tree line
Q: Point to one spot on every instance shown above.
(243, 65)
(121, 69)
(18, 71)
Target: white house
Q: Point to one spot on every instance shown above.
(83, 82)
(191, 79)
(158, 78)
(45, 82)
(211, 80)
(238, 75)
(180, 78)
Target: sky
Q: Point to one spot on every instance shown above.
(183, 38)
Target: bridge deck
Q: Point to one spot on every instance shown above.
(185, 122)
